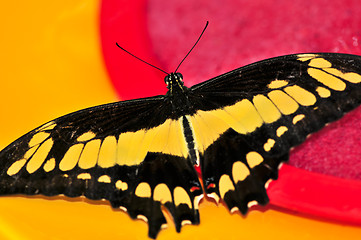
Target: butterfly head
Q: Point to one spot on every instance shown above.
(174, 81)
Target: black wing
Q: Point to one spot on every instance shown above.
(129, 153)
(248, 119)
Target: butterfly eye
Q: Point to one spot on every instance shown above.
(167, 79)
(179, 76)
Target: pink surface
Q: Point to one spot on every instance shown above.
(241, 32)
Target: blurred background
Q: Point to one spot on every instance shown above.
(60, 56)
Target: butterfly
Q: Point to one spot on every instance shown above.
(142, 154)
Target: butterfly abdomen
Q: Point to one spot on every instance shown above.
(189, 137)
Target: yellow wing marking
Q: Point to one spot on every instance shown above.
(305, 57)
(39, 156)
(71, 157)
(277, 84)
(320, 63)
(254, 159)
(350, 76)
(47, 126)
(84, 176)
(266, 108)
(130, 148)
(298, 118)
(330, 77)
(181, 197)
(30, 152)
(168, 138)
(207, 126)
(89, 156)
(245, 116)
(86, 137)
(143, 190)
(269, 144)
(127, 144)
(121, 185)
(323, 92)
(281, 130)
(239, 171)
(283, 102)
(245, 112)
(142, 217)
(16, 166)
(186, 222)
(327, 79)
(104, 179)
(301, 95)
(38, 138)
(49, 165)
(165, 138)
(225, 185)
(108, 152)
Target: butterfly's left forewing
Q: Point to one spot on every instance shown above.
(255, 114)
(130, 153)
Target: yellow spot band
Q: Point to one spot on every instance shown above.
(86, 137)
(283, 102)
(143, 190)
(39, 156)
(71, 157)
(89, 156)
(277, 84)
(16, 167)
(38, 138)
(269, 145)
(225, 185)
(323, 92)
(121, 185)
(320, 63)
(49, 165)
(104, 179)
(327, 79)
(281, 130)
(301, 95)
(254, 159)
(108, 152)
(239, 171)
(266, 109)
(298, 118)
(181, 197)
(162, 193)
(84, 176)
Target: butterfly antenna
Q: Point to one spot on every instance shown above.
(141, 59)
(204, 29)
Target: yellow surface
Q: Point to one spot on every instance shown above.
(51, 65)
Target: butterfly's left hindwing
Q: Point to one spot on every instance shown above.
(119, 152)
(255, 114)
